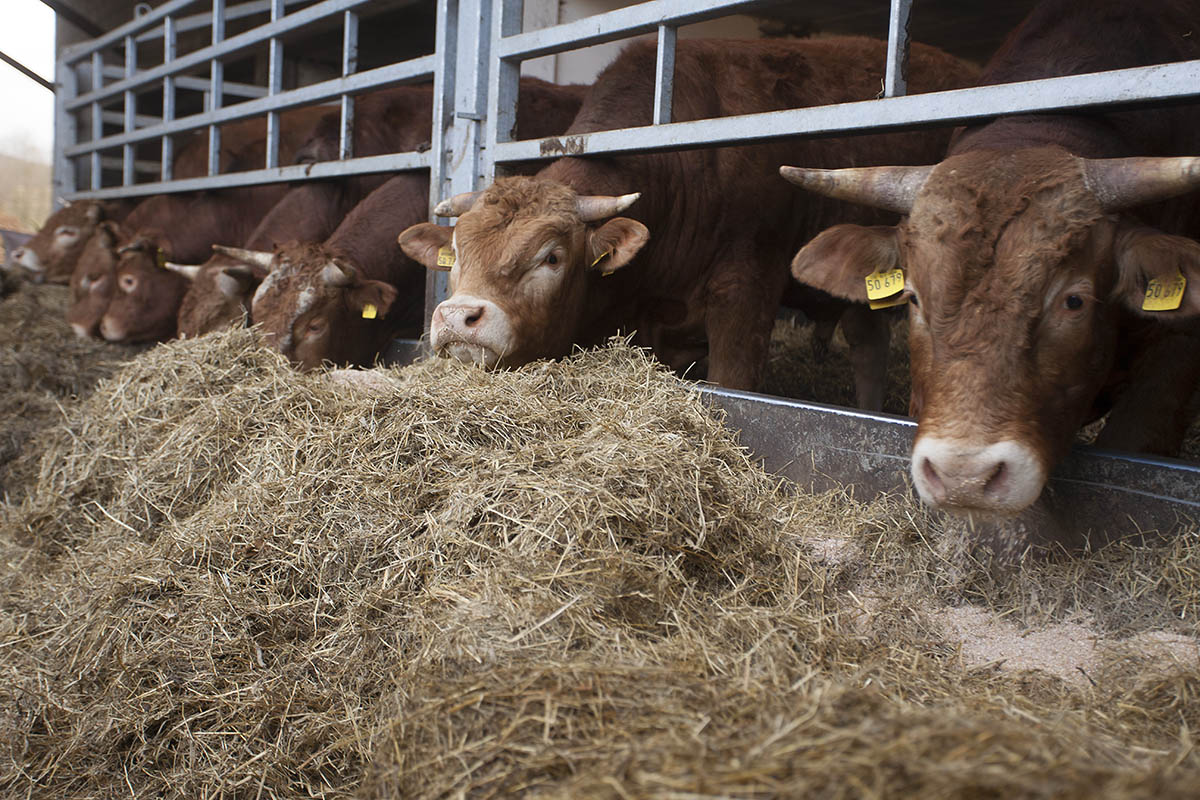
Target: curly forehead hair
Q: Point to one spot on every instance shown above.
(513, 198)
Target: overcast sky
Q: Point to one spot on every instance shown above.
(27, 108)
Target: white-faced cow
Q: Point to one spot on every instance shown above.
(1030, 264)
(698, 266)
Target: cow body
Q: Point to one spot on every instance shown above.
(1027, 254)
(712, 229)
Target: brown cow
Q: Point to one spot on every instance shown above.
(51, 254)
(1027, 271)
(387, 121)
(92, 287)
(543, 264)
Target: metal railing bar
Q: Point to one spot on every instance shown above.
(349, 67)
(167, 152)
(26, 71)
(504, 82)
(393, 162)
(274, 86)
(197, 21)
(73, 53)
(1120, 88)
(308, 95)
(620, 24)
(65, 130)
(446, 60)
(217, 78)
(194, 84)
(130, 112)
(664, 74)
(895, 79)
(230, 46)
(97, 116)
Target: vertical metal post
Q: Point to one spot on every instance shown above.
(65, 134)
(895, 80)
(504, 84)
(168, 99)
(444, 80)
(274, 85)
(130, 97)
(349, 67)
(97, 117)
(216, 82)
(664, 74)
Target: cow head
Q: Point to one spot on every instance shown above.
(93, 280)
(146, 296)
(219, 295)
(521, 261)
(315, 306)
(52, 253)
(1016, 266)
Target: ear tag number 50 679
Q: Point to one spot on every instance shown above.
(884, 288)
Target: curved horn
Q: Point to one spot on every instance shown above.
(235, 282)
(1126, 182)
(253, 258)
(596, 207)
(458, 205)
(189, 271)
(134, 246)
(335, 275)
(890, 188)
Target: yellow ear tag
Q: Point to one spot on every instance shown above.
(445, 257)
(602, 256)
(1165, 295)
(884, 289)
(160, 258)
(369, 311)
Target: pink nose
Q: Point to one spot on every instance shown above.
(460, 317)
(963, 481)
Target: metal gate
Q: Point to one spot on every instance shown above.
(479, 47)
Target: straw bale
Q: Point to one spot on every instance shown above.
(229, 579)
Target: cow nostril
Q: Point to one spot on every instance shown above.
(472, 317)
(936, 487)
(997, 481)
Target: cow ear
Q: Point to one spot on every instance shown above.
(1144, 255)
(615, 243)
(236, 282)
(840, 258)
(422, 242)
(373, 299)
(95, 213)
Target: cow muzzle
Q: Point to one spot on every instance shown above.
(472, 330)
(25, 257)
(1002, 478)
(112, 330)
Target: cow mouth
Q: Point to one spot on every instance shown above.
(470, 353)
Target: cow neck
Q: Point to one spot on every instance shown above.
(367, 236)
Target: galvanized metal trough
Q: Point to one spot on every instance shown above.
(1098, 494)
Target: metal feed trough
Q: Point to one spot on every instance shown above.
(475, 66)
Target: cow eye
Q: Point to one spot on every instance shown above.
(1073, 302)
(128, 283)
(552, 259)
(67, 232)
(314, 327)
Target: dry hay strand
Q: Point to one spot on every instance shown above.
(567, 580)
(43, 365)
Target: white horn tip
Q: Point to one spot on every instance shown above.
(444, 209)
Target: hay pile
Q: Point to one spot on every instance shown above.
(42, 365)
(231, 580)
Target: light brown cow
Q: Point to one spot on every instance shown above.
(697, 269)
(1027, 273)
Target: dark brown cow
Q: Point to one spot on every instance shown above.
(181, 228)
(543, 264)
(51, 254)
(1027, 271)
(387, 121)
